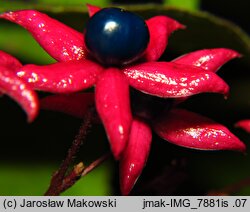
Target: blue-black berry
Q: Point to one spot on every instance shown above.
(116, 37)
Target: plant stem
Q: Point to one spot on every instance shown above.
(80, 171)
(95, 164)
(59, 175)
(77, 173)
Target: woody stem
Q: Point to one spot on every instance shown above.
(59, 175)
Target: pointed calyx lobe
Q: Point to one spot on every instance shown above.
(208, 59)
(75, 104)
(135, 155)
(167, 79)
(113, 106)
(92, 9)
(20, 91)
(61, 77)
(191, 130)
(244, 124)
(9, 61)
(160, 28)
(60, 41)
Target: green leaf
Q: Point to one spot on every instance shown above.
(16, 41)
(34, 179)
(185, 4)
(19, 179)
(203, 30)
(100, 3)
(19, 4)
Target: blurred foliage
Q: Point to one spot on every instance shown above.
(13, 37)
(39, 141)
(24, 179)
(185, 4)
(33, 179)
(100, 3)
(64, 3)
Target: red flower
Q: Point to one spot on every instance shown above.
(130, 137)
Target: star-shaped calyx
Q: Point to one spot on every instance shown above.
(119, 51)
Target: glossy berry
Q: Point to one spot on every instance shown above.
(116, 37)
